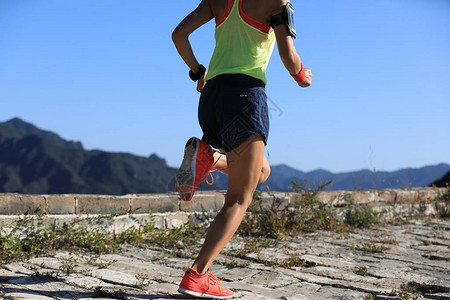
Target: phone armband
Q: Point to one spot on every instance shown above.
(287, 18)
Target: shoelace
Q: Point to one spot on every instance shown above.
(209, 174)
(214, 278)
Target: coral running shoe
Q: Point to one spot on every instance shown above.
(197, 164)
(204, 285)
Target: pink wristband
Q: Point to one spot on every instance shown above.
(301, 76)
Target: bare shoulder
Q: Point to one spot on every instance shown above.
(275, 6)
(218, 7)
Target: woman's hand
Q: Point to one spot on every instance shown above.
(308, 80)
(201, 83)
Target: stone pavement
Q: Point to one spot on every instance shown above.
(378, 261)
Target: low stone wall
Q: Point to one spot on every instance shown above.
(169, 211)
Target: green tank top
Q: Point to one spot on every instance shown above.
(243, 44)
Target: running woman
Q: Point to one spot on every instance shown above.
(233, 114)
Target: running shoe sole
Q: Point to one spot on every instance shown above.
(200, 295)
(186, 174)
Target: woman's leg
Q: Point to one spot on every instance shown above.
(221, 163)
(244, 166)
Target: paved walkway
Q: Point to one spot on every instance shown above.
(397, 259)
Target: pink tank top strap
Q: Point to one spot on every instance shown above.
(252, 22)
(227, 12)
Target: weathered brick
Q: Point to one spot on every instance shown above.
(17, 204)
(102, 204)
(331, 198)
(272, 199)
(386, 195)
(154, 202)
(363, 196)
(427, 194)
(173, 221)
(60, 204)
(204, 201)
(406, 196)
(5, 200)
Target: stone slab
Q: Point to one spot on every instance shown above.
(60, 204)
(102, 204)
(156, 203)
(18, 204)
(203, 202)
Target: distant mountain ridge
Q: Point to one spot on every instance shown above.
(18, 128)
(36, 161)
(362, 179)
(282, 176)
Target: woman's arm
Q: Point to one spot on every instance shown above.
(180, 36)
(287, 51)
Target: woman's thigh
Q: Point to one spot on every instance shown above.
(244, 170)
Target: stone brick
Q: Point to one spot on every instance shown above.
(5, 201)
(159, 221)
(207, 201)
(60, 204)
(154, 202)
(17, 204)
(277, 199)
(199, 218)
(142, 219)
(102, 204)
(7, 223)
(427, 194)
(173, 221)
(387, 195)
(331, 198)
(406, 196)
(363, 196)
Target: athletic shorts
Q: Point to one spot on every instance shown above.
(233, 108)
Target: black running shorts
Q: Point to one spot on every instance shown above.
(233, 108)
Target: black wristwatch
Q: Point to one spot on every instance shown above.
(198, 75)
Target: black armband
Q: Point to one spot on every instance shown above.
(198, 75)
(287, 18)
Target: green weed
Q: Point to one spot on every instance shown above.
(294, 261)
(304, 216)
(360, 215)
(442, 205)
(94, 260)
(307, 214)
(371, 247)
(32, 236)
(234, 264)
(142, 280)
(360, 270)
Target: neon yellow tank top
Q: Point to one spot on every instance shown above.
(243, 44)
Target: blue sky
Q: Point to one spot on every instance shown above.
(105, 72)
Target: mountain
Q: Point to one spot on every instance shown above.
(282, 176)
(442, 182)
(35, 161)
(16, 128)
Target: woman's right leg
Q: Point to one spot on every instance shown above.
(244, 168)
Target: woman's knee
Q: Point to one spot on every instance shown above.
(265, 172)
(238, 200)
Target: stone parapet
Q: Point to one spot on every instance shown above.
(169, 211)
(78, 204)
